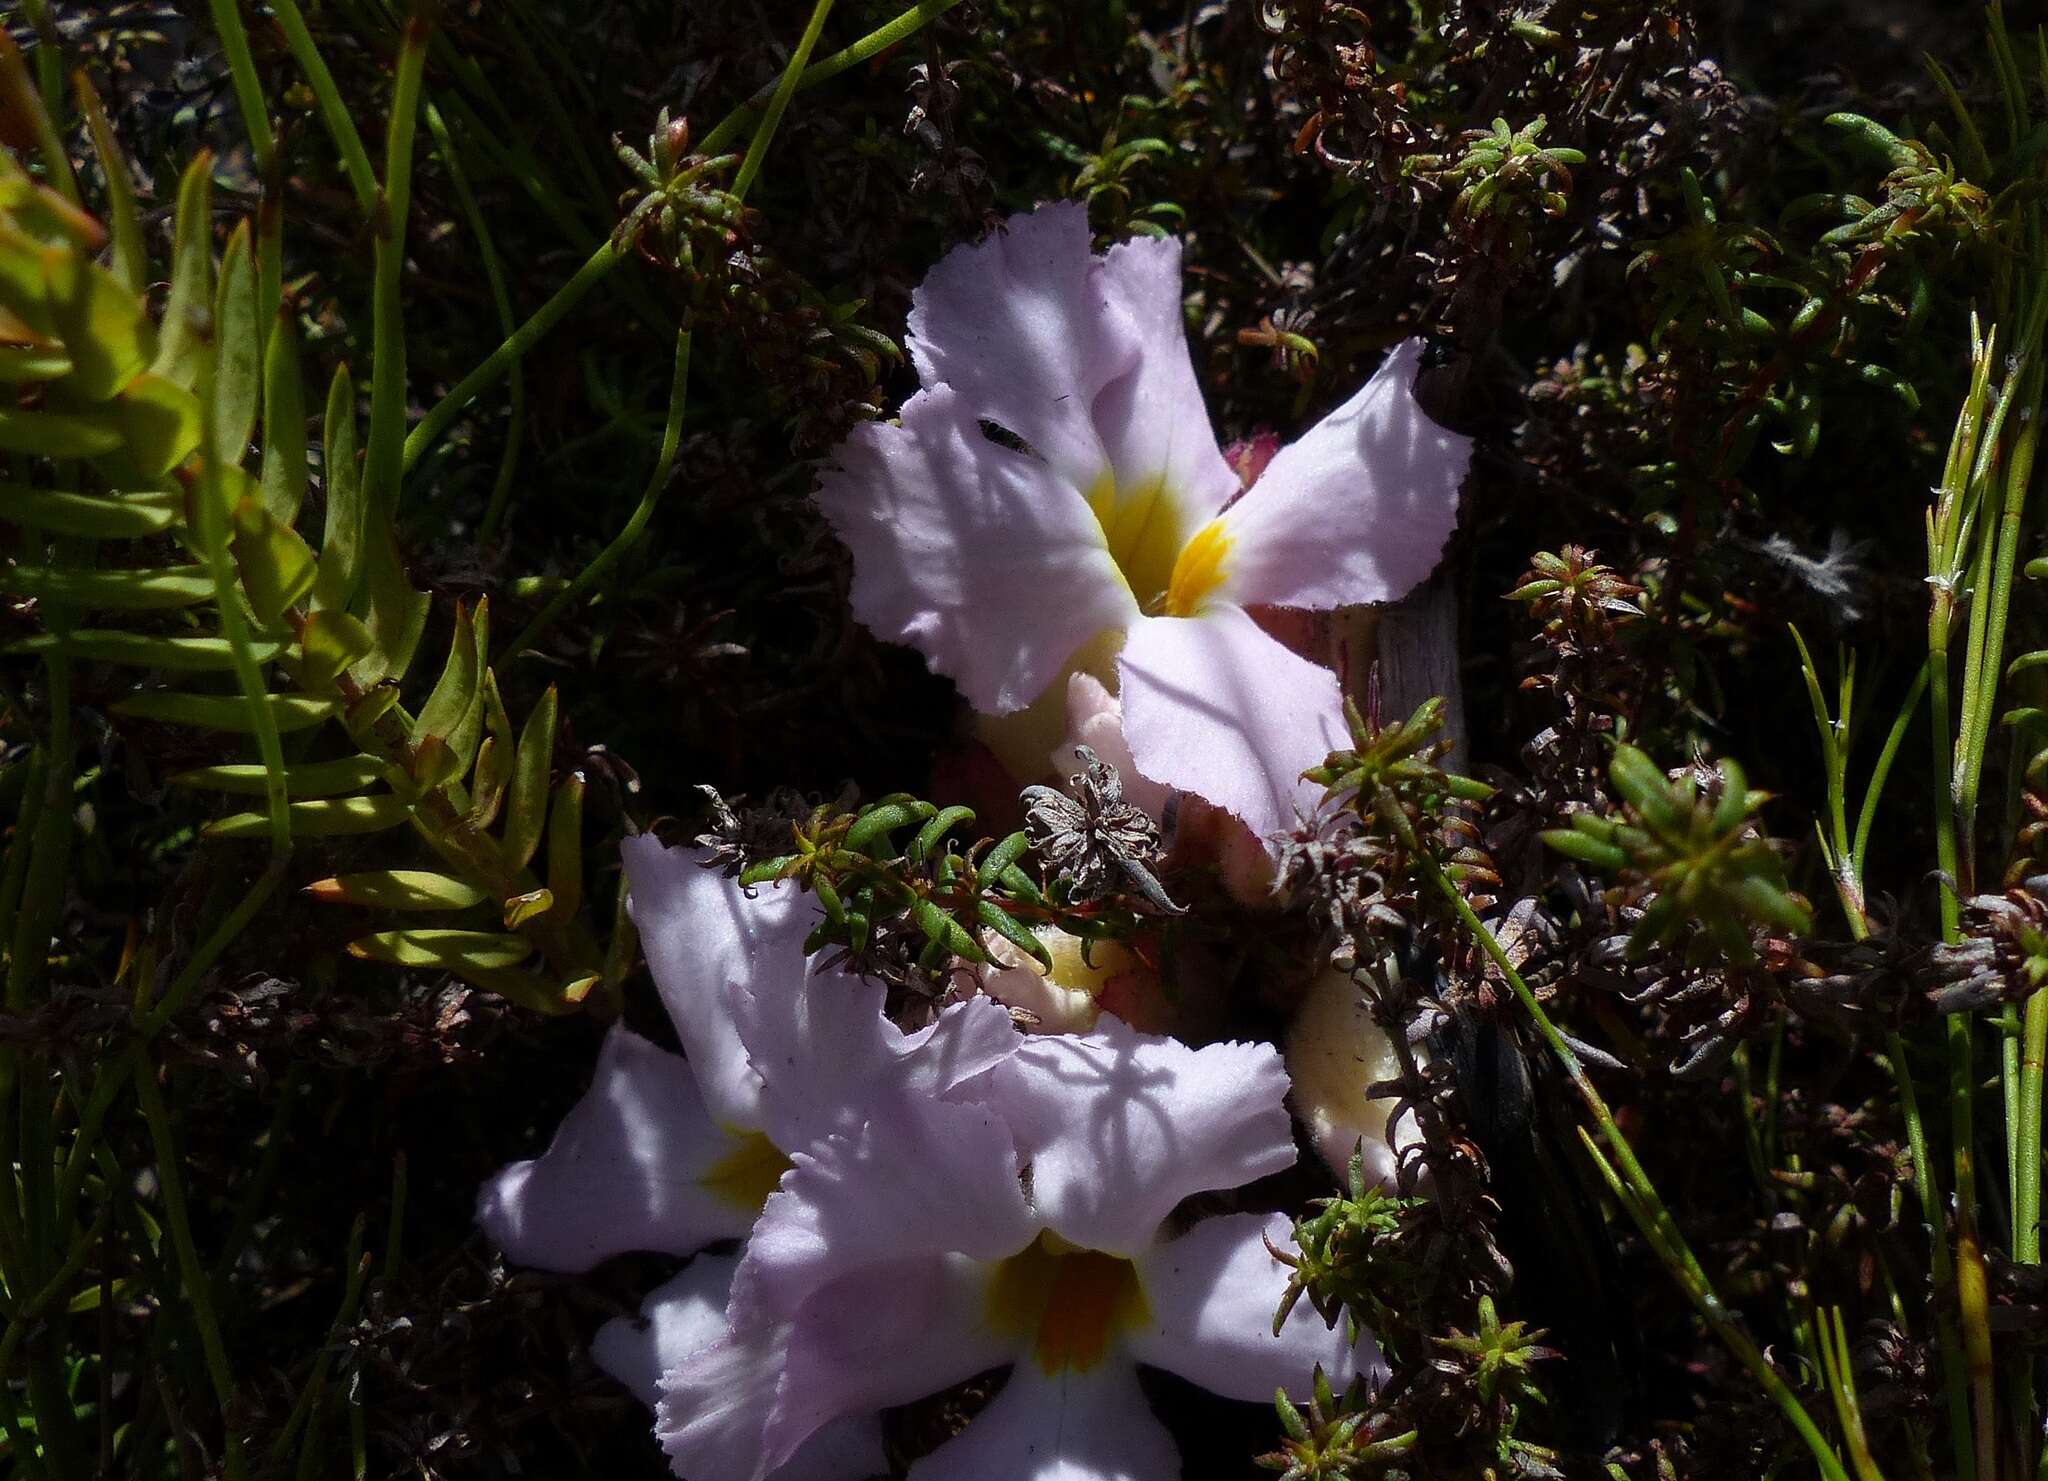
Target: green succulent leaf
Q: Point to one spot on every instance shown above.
(309, 779)
(151, 588)
(93, 516)
(397, 889)
(284, 423)
(237, 348)
(277, 566)
(326, 817)
(229, 712)
(526, 805)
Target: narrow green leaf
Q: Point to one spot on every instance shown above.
(398, 889)
(871, 831)
(462, 740)
(105, 328)
(310, 779)
(26, 364)
(565, 846)
(522, 908)
(277, 566)
(158, 420)
(1575, 845)
(929, 835)
(131, 263)
(237, 349)
(487, 792)
(56, 434)
(526, 807)
(945, 933)
(395, 614)
(284, 423)
(341, 540)
(523, 988)
(445, 949)
(145, 650)
(1008, 927)
(366, 711)
(186, 335)
(1000, 858)
(95, 516)
(223, 711)
(330, 642)
(126, 590)
(457, 689)
(326, 817)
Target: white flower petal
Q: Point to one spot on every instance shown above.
(982, 558)
(1095, 718)
(687, 1315)
(825, 1051)
(1019, 326)
(883, 1336)
(1069, 1426)
(624, 1172)
(1120, 1126)
(1355, 510)
(1215, 707)
(679, 1316)
(920, 1177)
(704, 937)
(1151, 418)
(1212, 1294)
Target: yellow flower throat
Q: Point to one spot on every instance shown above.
(1167, 571)
(1065, 1302)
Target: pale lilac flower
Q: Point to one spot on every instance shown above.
(1031, 1229)
(669, 1155)
(1119, 515)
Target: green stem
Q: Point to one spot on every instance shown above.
(1635, 1190)
(2026, 1205)
(595, 269)
(877, 41)
(383, 461)
(764, 133)
(657, 485)
(501, 299)
(234, 43)
(197, 1293)
(609, 254)
(1948, 1339)
(341, 127)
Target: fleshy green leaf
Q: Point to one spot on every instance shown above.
(526, 807)
(522, 908)
(187, 328)
(324, 818)
(565, 846)
(106, 329)
(56, 434)
(397, 889)
(237, 349)
(159, 424)
(95, 516)
(330, 642)
(341, 540)
(277, 566)
(147, 589)
(145, 650)
(310, 779)
(284, 424)
(445, 949)
(229, 712)
(395, 614)
(457, 689)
